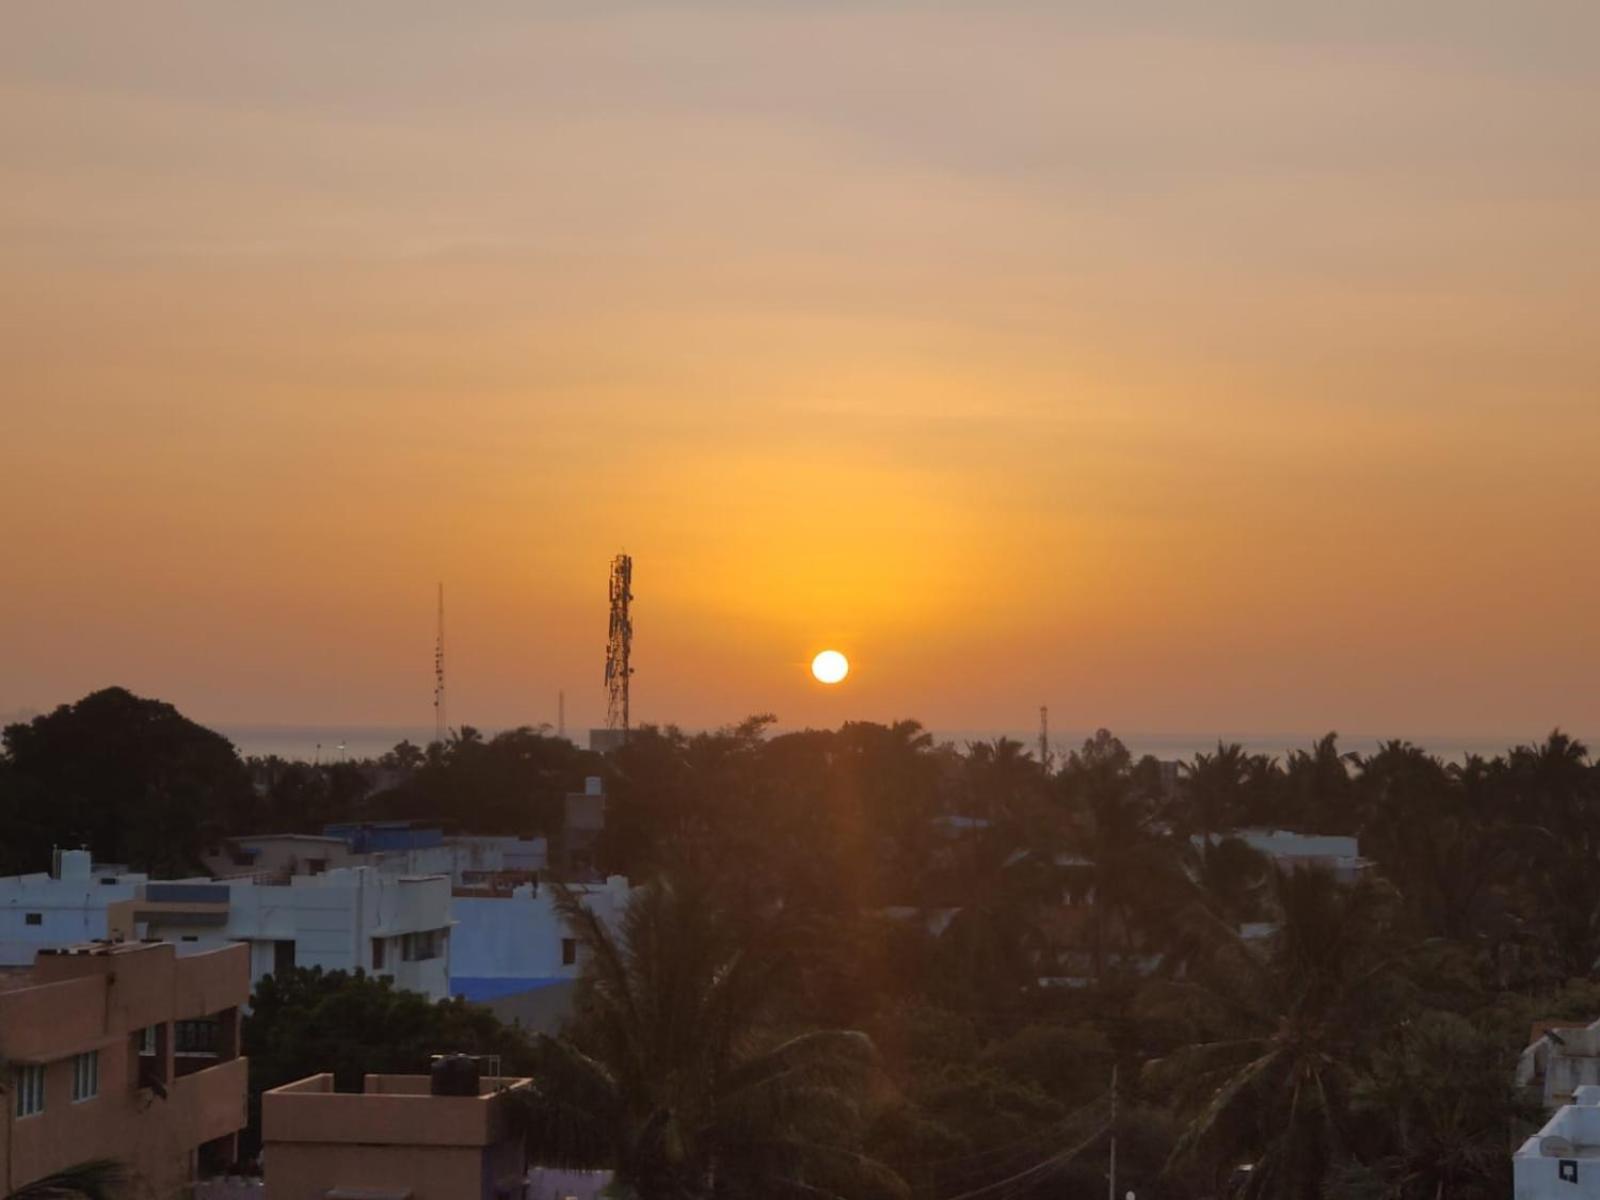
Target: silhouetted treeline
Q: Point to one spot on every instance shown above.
(1007, 934)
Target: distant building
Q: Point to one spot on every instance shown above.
(128, 1052)
(397, 1139)
(1562, 1160)
(393, 847)
(515, 954)
(342, 919)
(1337, 854)
(583, 821)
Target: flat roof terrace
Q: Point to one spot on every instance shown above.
(391, 1110)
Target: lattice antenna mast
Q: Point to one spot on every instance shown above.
(619, 644)
(1046, 758)
(440, 722)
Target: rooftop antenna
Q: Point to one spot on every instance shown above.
(439, 721)
(619, 645)
(1046, 759)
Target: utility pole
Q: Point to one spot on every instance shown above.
(1111, 1179)
(1045, 757)
(561, 714)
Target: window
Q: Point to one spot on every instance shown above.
(30, 1091)
(147, 1039)
(194, 1037)
(34, 918)
(85, 1076)
(282, 955)
(377, 954)
(569, 951)
(419, 947)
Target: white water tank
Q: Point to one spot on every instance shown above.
(73, 864)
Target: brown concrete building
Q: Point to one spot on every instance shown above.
(126, 1051)
(395, 1140)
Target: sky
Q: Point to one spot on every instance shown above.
(1182, 367)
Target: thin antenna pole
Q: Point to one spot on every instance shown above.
(1045, 757)
(440, 719)
(1111, 1188)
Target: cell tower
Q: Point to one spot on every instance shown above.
(1046, 759)
(440, 724)
(619, 645)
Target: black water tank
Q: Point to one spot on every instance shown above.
(455, 1075)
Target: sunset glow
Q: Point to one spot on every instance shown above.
(1174, 368)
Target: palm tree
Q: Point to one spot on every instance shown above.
(1294, 1018)
(98, 1179)
(1114, 856)
(678, 1078)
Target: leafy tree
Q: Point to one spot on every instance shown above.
(511, 783)
(304, 1021)
(130, 778)
(1437, 1106)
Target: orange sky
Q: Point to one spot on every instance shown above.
(1181, 372)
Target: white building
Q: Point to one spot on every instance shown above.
(1338, 854)
(1562, 1160)
(61, 907)
(342, 919)
(515, 953)
(1560, 1060)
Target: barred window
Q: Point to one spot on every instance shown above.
(419, 947)
(85, 1076)
(30, 1091)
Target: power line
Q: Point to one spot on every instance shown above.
(1026, 1176)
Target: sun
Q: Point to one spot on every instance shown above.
(830, 666)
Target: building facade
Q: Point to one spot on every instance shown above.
(342, 919)
(128, 1052)
(515, 954)
(351, 918)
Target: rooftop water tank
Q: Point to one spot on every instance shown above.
(455, 1075)
(71, 864)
